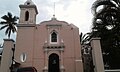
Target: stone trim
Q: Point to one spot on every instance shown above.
(9, 40)
(29, 6)
(95, 38)
(26, 25)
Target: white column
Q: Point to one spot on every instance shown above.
(97, 55)
(7, 55)
(46, 62)
(62, 66)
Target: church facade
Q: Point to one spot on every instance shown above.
(51, 46)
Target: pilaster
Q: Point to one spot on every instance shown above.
(7, 55)
(97, 55)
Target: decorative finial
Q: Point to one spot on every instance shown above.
(54, 13)
(53, 16)
(54, 10)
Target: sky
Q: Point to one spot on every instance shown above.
(77, 12)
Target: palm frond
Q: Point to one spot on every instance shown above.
(5, 17)
(3, 27)
(3, 22)
(6, 32)
(84, 39)
(117, 2)
(98, 3)
(9, 15)
(15, 24)
(15, 18)
(81, 34)
(9, 33)
(14, 29)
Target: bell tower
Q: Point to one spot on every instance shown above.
(28, 12)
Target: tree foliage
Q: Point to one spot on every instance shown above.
(106, 25)
(9, 22)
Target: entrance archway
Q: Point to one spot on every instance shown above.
(53, 63)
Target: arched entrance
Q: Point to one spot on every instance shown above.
(53, 63)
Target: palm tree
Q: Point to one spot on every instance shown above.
(86, 52)
(106, 24)
(85, 38)
(9, 22)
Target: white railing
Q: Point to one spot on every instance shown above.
(115, 70)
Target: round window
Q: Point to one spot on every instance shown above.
(23, 57)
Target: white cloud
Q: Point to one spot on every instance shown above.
(78, 12)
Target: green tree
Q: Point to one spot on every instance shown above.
(106, 25)
(9, 22)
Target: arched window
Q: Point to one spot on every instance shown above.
(54, 37)
(26, 16)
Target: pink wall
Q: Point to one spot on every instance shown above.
(30, 40)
